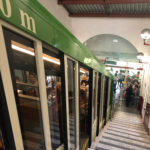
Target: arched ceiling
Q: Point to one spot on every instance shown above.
(112, 46)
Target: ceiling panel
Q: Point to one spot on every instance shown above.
(85, 8)
(107, 8)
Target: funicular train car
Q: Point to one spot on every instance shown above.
(54, 93)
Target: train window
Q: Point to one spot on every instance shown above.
(54, 96)
(105, 100)
(94, 97)
(99, 102)
(21, 55)
(1, 141)
(84, 106)
(71, 94)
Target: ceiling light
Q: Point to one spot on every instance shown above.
(29, 51)
(20, 49)
(140, 55)
(82, 71)
(145, 34)
(115, 41)
(51, 60)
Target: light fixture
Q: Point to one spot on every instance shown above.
(115, 40)
(121, 63)
(46, 58)
(29, 51)
(20, 49)
(82, 71)
(140, 55)
(145, 35)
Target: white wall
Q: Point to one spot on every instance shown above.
(128, 28)
(58, 11)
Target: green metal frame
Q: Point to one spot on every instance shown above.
(51, 31)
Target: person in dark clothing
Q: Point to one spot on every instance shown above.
(128, 95)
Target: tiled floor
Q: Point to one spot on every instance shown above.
(124, 132)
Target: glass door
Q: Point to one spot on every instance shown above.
(1, 141)
(21, 56)
(99, 103)
(102, 101)
(84, 108)
(108, 100)
(105, 100)
(94, 104)
(6, 134)
(71, 77)
(53, 78)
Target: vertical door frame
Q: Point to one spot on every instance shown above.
(43, 93)
(108, 100)
(94, 122)
(99, 102)
(102, 100)
(9, 92)
(76, 100)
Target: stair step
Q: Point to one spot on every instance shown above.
(98, 146)
(128, 126)
(123, 139)
(140, 139)
(128, 129)
(120, 144)
(127, 132)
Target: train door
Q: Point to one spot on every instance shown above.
(84, 117)
(53, 65)
(21, 56)
(108, 100)
(6, 135)
(72, 102)
(94, 105)
(9, 101)
(99, 103)
(105, 100)
(102, 101)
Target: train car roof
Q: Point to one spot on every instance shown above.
(49, 30)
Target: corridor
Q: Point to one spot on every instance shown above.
(124, 132)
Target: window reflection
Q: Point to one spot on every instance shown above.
(21, 57)
(94, 98)
(84, 105)
(1, 141)
(105, 99)
(71, 94)
(54, 96)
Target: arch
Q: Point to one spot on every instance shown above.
(112, 46)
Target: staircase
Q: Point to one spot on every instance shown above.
(124, 132)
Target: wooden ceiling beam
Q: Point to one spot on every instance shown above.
(109, 15)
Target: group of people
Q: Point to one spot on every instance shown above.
(130, 87)
(118, 79)
(131, 93)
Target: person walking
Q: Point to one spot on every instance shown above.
(128, 95)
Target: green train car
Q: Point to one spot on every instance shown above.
(54, 93)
